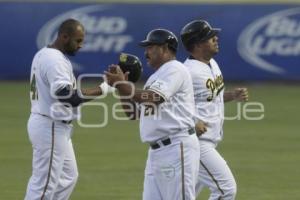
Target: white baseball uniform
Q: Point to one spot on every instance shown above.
(208, 91)
(172, 164)
(54, 168)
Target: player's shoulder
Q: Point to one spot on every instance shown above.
(193, 63)
(174, 66)
(196, 67)
(54, 53)
(170, 70)
(53, 57)
(214, 63)
(48, 59)
(50, 54)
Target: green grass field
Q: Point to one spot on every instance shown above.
(263, 155)
(166, 1)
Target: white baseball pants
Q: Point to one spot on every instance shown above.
(215, 174)
(54, 168)
(171, 171)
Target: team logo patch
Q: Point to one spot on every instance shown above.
(168, 172)
(158, 85)
(123, 58)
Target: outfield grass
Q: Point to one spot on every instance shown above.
(167, 1)
(263, 155)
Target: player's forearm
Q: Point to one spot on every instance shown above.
(130, 109)
(125, 89)
(69, 96)
(229, 96)
(137, 95)
(147, 96)
(73, 98)
(102, 89)
(91, 93)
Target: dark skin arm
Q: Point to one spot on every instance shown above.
(130, 109)
(129, 94)
(139, 95)
(238, 94)
(92, 92)
(73, 98)
(116, 77)
(129, 106)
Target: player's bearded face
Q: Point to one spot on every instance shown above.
(74, 43)
(153, 55)
(70, 48)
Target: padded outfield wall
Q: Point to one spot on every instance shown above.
(257, 41)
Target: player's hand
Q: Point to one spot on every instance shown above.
(126, 75)
(241, 94)
(115, 74)
(200, 127)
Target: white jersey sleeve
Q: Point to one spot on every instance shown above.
(58, 75)
(175, 115)
(167, 83)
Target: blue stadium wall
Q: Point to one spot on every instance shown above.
(257, 41)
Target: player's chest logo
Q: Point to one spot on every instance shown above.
(214, 86)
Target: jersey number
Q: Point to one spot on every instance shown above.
(33, 89)
(149, 110)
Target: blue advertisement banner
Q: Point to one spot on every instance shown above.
(257, 41)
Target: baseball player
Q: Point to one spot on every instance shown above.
(201, 41)
(166, 119)
(54, 100)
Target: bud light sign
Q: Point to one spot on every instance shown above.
(103, 33)
(257, 42)
(272, 42)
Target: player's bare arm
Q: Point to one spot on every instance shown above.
(117, 77)
(71, 96)
(93, 92)
(238, 94)
(129, 106)
(130, 109)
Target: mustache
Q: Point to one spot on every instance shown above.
(146, 56)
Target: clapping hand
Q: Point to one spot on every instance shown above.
(115, 74)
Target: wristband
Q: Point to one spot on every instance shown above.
(106, 89)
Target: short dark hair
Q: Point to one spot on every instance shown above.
(69, 26)
(192, 43)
